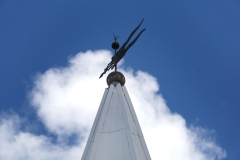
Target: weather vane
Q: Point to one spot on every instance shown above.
(122, 51)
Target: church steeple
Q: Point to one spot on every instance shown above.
(116, 133)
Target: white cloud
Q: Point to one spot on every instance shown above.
(20, 145)
(66, 100)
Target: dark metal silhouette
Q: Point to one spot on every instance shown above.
(122, 51)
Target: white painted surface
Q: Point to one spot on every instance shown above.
(116, 133)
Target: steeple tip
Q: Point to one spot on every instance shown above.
(116, 76)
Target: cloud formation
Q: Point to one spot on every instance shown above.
(66, 100)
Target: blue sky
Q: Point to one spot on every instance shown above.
(192, 48)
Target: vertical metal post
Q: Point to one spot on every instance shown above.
(116, 63)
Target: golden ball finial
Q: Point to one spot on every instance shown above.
(116, 76)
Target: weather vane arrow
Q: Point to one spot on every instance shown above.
(122, 51)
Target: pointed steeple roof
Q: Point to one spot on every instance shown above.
(116, 133)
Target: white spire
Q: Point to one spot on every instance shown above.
(116, 133)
